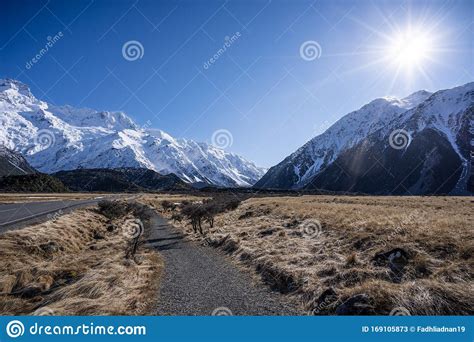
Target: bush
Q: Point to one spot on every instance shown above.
(167, 205)
(185, 203)
(188, 209)
(209, 211)
(116, 209)
(231, 204)
(206, 211)
(195, 214)
(113, 209)
(139, 210)
(177, 217)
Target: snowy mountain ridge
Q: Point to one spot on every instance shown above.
(447, 112)
(54, 138)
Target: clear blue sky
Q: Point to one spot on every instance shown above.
(260, 89)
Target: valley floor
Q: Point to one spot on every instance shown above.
(321, 255)
(351, 255)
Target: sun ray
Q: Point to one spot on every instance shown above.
(423, 72)
(394, 79)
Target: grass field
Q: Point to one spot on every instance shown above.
(77, 264)
(353, 255)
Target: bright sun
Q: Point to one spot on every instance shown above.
(409, 48)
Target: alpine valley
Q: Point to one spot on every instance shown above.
(417, 145)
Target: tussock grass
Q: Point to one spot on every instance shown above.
(76, 265)
(356, 255)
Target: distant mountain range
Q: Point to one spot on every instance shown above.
(421, 144)
(54, 138)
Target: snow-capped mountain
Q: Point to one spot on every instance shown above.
(54, 138)
(415, 145)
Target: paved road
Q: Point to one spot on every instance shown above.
(198, 280)
(13, 215)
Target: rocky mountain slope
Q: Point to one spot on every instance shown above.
(55, 138)
(13, 163)
(16, 175)
(421, 144)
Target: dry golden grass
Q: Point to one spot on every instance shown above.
(155, 200)
(75, 266)
(322, 250)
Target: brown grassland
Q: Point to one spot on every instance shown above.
(76, 265)
(352, 255)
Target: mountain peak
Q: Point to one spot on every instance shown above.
(15, 85)
(407, 102)
(86, 117)
(159, 134)
(416, 98)
(421, 92)
(420, 96)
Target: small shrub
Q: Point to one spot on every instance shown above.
(195, 214)
(167, 206)
(139, 210)
(116, 209)
(177, 217)
(231, 204)
(209, 211)
(185, 203)
(113, 209)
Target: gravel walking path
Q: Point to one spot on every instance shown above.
(199, 280)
